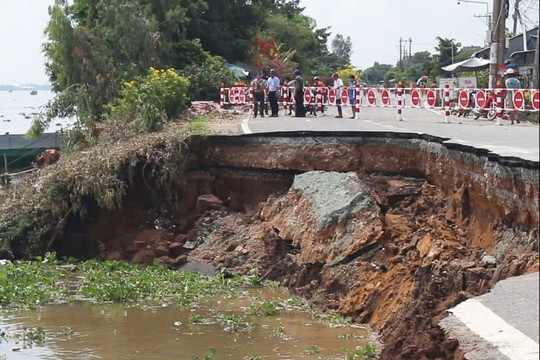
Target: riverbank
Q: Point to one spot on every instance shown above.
(406, 227)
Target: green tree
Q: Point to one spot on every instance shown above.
(342, 48)
(95, 46)
(205, 79)
(298, 36)
(374, 74)
(447, 50)
(228, 28)
(147, 102)
(395, 75)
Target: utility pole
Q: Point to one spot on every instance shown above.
(516, 16)
(400, 63)
(498, 39)
(535, 69)
(410, 53)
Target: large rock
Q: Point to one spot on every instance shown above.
(331, 216)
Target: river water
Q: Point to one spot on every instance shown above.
(116, 331)
(18, 107)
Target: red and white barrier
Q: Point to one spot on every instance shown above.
(357, 103)
(447, 103)
(399, 101)
(498, 93)
(400, 98)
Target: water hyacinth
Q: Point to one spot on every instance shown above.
(30, 284)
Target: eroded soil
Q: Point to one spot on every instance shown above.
(422, 247)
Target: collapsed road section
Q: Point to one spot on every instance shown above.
(390, 229)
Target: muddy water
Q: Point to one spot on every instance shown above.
(115, 331)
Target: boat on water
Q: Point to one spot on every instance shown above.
(33, 92)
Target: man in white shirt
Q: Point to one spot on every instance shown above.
(272, 84)
(338, 85)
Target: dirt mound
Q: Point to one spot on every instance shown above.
(401, 282)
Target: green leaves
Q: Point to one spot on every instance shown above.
(30, 284)
(147, 102)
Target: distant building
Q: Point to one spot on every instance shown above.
(519, 55)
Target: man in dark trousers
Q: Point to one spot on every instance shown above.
(300, 110)
(272, 84)
(258, 85)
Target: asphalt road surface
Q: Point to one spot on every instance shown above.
(519, 140)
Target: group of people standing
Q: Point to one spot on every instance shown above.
(259, 86)
(272, 84)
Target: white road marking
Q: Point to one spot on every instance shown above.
(385, 126)
(438, 112)
(245, 126)
(486, 324)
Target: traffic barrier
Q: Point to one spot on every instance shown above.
(447, 103)
(399, 98)
(498, 93)
(251, 99)
(399, 101)
(319, 101)
(356, 107)
(285, 98)
(222, 97)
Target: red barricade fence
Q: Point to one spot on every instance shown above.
(446, 98)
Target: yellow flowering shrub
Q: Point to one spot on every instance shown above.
(147, 102)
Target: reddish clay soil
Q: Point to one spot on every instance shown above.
(445, 227)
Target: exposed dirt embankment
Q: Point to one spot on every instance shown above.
(389, 229)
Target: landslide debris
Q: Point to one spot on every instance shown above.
(389, 256)
(392, 230)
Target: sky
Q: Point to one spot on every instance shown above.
(21, 34)
(374, 27)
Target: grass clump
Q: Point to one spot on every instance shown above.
(34, 212)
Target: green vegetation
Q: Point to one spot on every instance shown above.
(366, 352)
(335, 320)
(34, 213)
(267, 308)
(279, 333)
(148, 102)
(313, 349)
(93, 51)
(66, 331)
(30, 337)
(30, 284)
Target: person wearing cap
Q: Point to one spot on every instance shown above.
(511, 83)
(299, 110)
(272, 84)
(338, 85)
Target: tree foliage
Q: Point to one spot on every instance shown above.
(95, 46)
(447, 49)
(374, 74)
(147, 102)
(342, 48)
